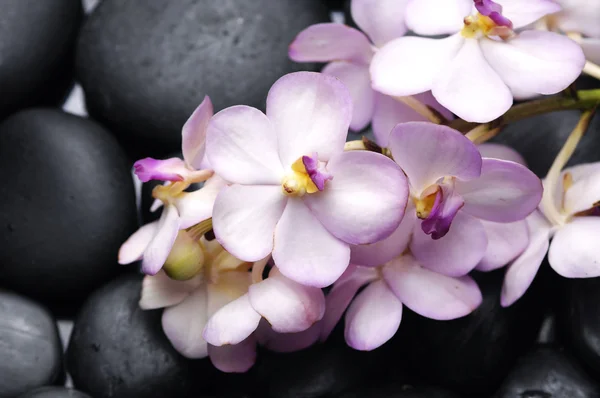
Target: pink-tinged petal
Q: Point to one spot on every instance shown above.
(159, 291)
(506, 241)
(184, 322)
(389, 112)
(579, 16)
(326, 42)
(410, 65)
(229, 287)
(523, 13)
(241, 146)
(428, 293)
(244, 219)
(193, 134)
(305, 251)
(381, 252)
(591, 48)
(339, 297)
(505, 192)
(584, 194)
(427, 152)
(173, 169)
(311, 113)
(521, 272)
(535, 61)
(457, 253)
(160, 246)
(287, 305)
(197, 206)
(238, 358)
(470, 87)
(358, 81)
(382, 20)
(502, 152)
(373, 317)
(437, 17)
(365, 201)
(574, 250)
(286, 342)
(233, 323)
(133, 248)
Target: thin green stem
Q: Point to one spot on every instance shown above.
(582, 100)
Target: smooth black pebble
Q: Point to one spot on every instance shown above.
(67, 202)
(30, 348)
(37, 42)
(146, 65)
(399, 391)
(54, 392)
(471, 355)
(548, 372)
(118, 350)
(579, 321)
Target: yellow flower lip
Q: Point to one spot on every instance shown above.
(298, 182)
(476, 26)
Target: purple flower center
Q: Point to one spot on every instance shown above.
(316, 173)
(444, 209)
(493, 11)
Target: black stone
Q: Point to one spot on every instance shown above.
(54, 392)
(30, 348)
(146, 65)
(67, 203)
(579, 321)
(118, 350)
(471, 355)
(399, 391)
(323, 370)
(548, 372)
(37, 40)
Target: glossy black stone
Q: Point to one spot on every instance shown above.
(67, 203)
(118, 350)
(579, 321)
(323, 370)
(399, 391)
(471, 355)
(54, 392)
(37, 40)
(548, 372)
(30, 348)
(146, 65)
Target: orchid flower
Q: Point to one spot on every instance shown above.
(183, 210)
(224, 285)
(393, 279)
(581, 17)
(295, 193)
(452, 189)
(569, 216)
(350, 52)
(484, 63)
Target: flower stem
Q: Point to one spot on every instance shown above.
(583, 100)
(421, 109)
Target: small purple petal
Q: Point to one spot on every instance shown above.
(446, 205)
(172, 169)
(316, 174)
(493, 11)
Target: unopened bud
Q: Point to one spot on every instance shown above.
(186, 259)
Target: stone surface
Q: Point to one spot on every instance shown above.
(399, 391)
(30, 348)
(36, 42)
(579, 321)
(54, 392)
(66, 205)
(548, 372)
(146, 65)
(471, 355)
(118, 350)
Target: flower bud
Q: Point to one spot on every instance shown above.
(186, 259)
